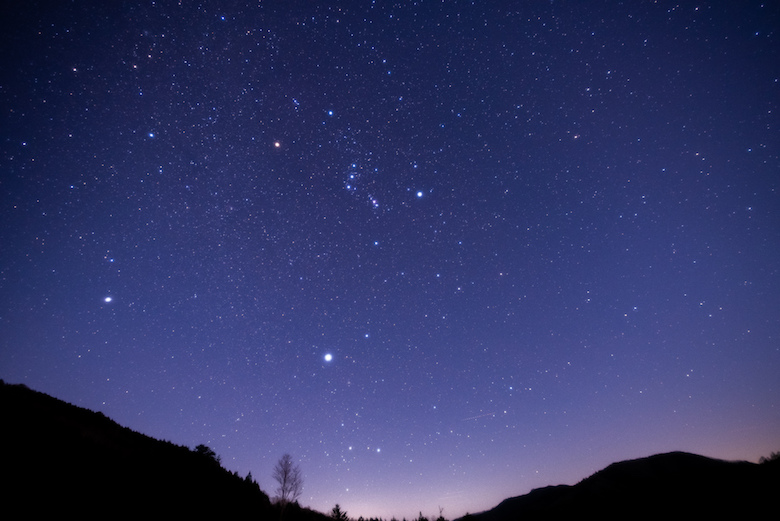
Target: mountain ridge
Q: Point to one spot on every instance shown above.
(669, 485)
(61, 458)
(64, 458)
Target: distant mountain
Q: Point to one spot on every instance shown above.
(62, 460)
(676, 485)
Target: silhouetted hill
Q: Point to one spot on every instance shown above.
(65, 460)
(665, 486)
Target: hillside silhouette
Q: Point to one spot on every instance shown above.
(676, 485)
(62, 459)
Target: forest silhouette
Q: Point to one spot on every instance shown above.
(62, 459)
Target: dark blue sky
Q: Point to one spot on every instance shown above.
(534, 237)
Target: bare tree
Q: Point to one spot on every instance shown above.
(290, 480)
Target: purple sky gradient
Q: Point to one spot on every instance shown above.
(534, 237)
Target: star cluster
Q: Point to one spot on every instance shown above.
(440, 252)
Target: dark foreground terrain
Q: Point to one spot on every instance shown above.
(61, 460)
(676, 485)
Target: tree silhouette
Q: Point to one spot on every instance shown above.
(339, 515)
(288, 475)
(772, 457)
(207, 452)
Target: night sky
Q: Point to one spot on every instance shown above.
(441, 252)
